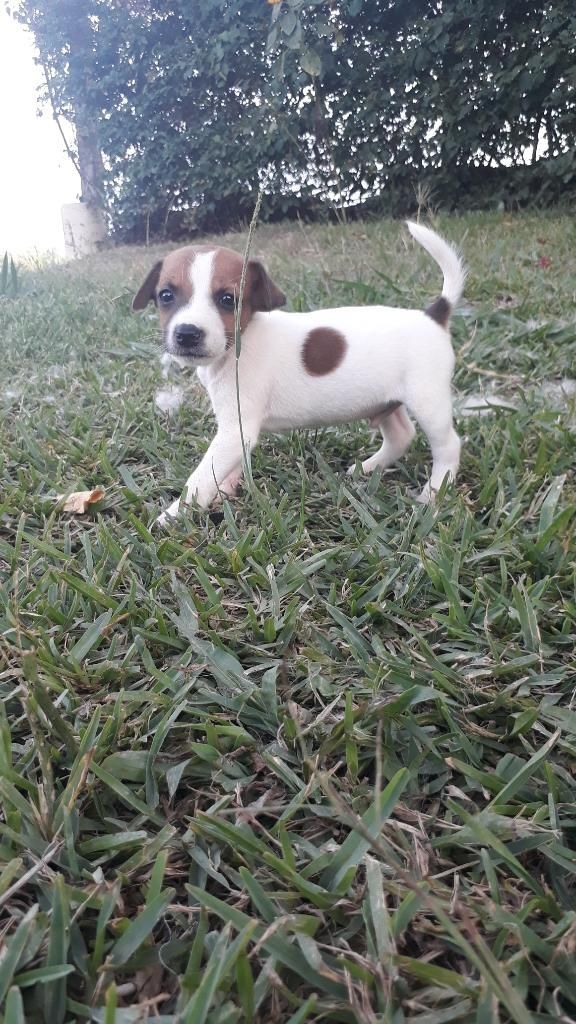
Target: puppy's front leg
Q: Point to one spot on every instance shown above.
(223, 457)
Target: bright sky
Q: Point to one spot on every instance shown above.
(36, 175)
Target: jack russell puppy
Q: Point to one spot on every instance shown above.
(306, 369)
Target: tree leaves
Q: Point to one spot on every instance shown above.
(315, 101)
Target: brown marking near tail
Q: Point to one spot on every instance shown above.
(323, 350)
(439, 311)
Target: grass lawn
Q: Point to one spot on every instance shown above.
(308, 757)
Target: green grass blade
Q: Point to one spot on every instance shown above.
(355, 846)
(521, 777)
(58, 941)
(16, 944)
(307, 1008)
(91, 637)
(14, 1008)
(276, 946)
(220, 964)
(139, 929)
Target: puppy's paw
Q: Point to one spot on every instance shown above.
(229, 486)
(367, 466)
(427, 495)
(168, 516)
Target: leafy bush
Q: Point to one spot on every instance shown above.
(327, 105)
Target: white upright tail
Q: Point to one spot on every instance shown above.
(447, 258)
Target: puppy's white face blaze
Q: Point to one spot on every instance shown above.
(196, 289)
(195, 333)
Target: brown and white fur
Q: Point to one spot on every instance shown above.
(306, 369)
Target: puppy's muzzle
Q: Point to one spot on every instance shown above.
(189, 340)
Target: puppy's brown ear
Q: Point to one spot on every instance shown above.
(263, 294)
(147, 289)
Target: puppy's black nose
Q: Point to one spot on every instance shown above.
(188, 335)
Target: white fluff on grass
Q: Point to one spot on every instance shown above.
(169, 399)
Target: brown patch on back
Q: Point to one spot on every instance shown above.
(323, 350)
(439, 311)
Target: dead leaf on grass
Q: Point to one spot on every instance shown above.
(79, 501)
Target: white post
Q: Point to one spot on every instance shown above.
(84, 229)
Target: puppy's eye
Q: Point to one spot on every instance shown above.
(226, 300)
(166, 296)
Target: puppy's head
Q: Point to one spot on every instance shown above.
(196, 290)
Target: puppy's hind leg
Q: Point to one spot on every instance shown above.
(436, 422)
(397, 432)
